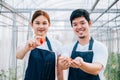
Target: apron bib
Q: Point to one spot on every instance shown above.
(78, 74)
(41, 65)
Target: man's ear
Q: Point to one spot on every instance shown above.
(90, 23)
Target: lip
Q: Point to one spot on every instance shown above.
(41, 30)
(80, 30)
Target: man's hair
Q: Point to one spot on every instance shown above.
(79, 13)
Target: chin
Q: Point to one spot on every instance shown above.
(39, 34)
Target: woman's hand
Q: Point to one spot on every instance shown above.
(33, 43)
(30, 45)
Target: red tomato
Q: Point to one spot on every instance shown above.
(41, 41)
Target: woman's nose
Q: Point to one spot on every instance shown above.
(40, 25)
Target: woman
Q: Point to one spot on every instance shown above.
(41, 51)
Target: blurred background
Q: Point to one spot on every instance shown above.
(15, 16)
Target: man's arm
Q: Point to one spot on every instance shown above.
(91, 68)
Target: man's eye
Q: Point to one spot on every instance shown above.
(74, 24)
(82, 23)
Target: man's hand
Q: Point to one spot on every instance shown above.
(64, 62)
(77, 62)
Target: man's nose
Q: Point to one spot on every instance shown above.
(79, 26)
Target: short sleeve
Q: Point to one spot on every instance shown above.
(56, 46)
(100, 53)
(67, 50)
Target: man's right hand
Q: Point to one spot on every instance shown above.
(64, 62)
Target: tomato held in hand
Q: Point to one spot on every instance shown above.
(41, 41)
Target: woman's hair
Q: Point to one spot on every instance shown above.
(40, 13)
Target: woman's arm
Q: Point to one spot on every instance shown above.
(21, 52)
(30, 45)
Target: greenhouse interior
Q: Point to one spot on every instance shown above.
(15, 17)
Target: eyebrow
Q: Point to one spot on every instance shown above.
(36, 21)
(80, 21)
(39, 21)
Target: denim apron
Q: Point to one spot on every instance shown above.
(41, 65)
(77, 73)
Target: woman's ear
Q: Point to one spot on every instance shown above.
(31, 24)
(49, 24)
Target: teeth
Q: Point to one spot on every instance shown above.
(80, 30)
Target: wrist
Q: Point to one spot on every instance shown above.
(26, 49)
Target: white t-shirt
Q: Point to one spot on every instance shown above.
(56, 47)
(100, 55)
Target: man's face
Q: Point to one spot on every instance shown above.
(81, 27)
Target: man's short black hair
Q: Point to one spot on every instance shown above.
(79, 13)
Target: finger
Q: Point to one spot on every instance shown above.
(64, 62)
(69, 59)
(39, 40)
(32, 43)
(62, 58)
(59, 55)
(75, 63)
(38, 37)
(37, 43)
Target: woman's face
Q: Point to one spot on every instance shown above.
(40, 26)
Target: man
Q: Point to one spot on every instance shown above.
(87, 58)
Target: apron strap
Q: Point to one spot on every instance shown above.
(90, 45)
(49, 45)
(74, 48)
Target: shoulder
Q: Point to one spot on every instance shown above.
(55, 42)
(100, 48)
(69, 46)
(98, 44)
(67, 49)
(56, 45)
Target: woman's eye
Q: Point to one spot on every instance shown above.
(38, 23)
(44, 23)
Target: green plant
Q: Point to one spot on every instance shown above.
(7, 75)
(12, 75)
(112, 71)
(3, 75)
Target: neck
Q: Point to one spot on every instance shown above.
(84, 41)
